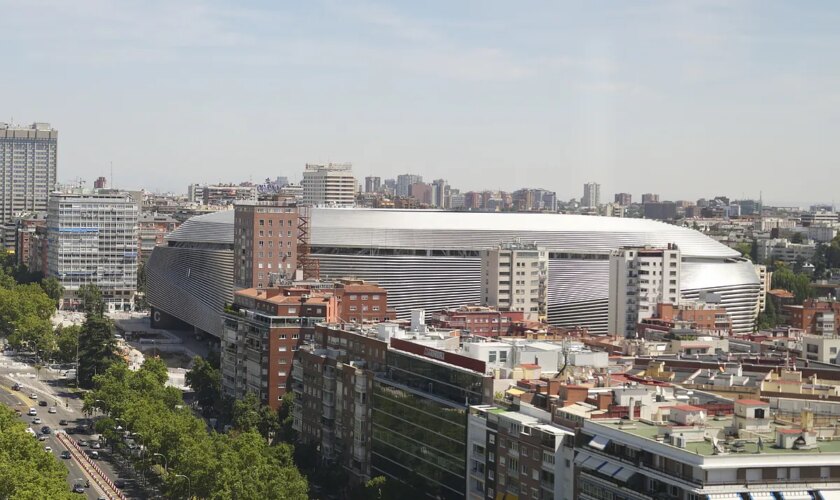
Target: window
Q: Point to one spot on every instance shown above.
(502, 356)
(491, 356)
(491, 439)
(375, 297)
(292, 310)
(282, 336)
(354, 297)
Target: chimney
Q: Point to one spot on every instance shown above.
(604, 401)
(631, 406)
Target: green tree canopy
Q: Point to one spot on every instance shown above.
(26, 471)
(206, 382)
(799, 284)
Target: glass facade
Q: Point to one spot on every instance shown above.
(420, 424)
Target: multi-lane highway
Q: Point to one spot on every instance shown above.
(48, 385)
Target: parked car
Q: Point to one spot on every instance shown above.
(83, 443)
(95, 445)
(94, 455)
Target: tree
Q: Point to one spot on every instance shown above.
(767, 319)
(798, 284)
(286, 418)
(745, 249)
(26, 472)
(206, 382)
(52, 287)
(97, 348)
(246, 413)
(91, 298)
(67, 343)
(26, 311)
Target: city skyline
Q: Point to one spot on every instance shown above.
(678, 99)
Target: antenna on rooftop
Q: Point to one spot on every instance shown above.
(112, 175)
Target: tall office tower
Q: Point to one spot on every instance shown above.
(28, 158)
(515, 277)
(372, 184)
(92, 239)
(641, 278)
(440, 193)
(330, 185)
(624, 199)
(265, 237)
(591, 195)
(650, 198)
(404, 182)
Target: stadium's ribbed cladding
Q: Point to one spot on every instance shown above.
(192, 278)
(429, 259)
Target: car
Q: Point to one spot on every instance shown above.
(36, 420)
(53, 409)
(33, 396)
(16, 387)
(32, 412)
(42, 437)
(94, 455)
(82, 443)
(41, 403)
(95, 445)
(62, 422)
(78, 488)
(47, 449)
(119, 483)
(46, 429)
(65, 455)
(18, 412)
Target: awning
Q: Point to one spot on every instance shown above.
(608, 469)
(515, 392)
(829, 495)
(599, 442)
(763, 495)
(624, 474)
(795, 495)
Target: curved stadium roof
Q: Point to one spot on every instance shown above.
(432, 229)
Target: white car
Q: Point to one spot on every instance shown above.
(32, 412)
(52, 409)
(47, 449)
(33, 396)
(36, 420)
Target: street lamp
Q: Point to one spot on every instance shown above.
(189, 484)
(165, 461)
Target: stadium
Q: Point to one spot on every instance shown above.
(430, 259)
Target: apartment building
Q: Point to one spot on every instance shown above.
(93, 239)
(478, 320)
(624, 199)
(816, 316)
(263, 329)
(515, 277)
(785, 251)
(373, 184)
(518, 453)
(399, 407)
(227, 194)
(684, 452)
(591, 195)
(28, 165)
(641, 278)
(265, 243)
(153, 229)
(330, 185)
(24, 235)
(404, 183)
(703, 317)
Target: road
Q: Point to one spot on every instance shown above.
(50, 386)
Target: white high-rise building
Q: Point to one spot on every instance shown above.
(514, 278)
(93, 239)
(640, 278)
(28, 159)
(591, 195)
(330, 185)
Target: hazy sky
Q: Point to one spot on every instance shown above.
(686, 99)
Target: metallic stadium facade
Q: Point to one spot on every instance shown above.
(430, 259)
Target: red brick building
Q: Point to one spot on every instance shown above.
(23, 239)
(814, 316)
(478, 320)
(700, 316)
(265, 243)
(361, 302)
